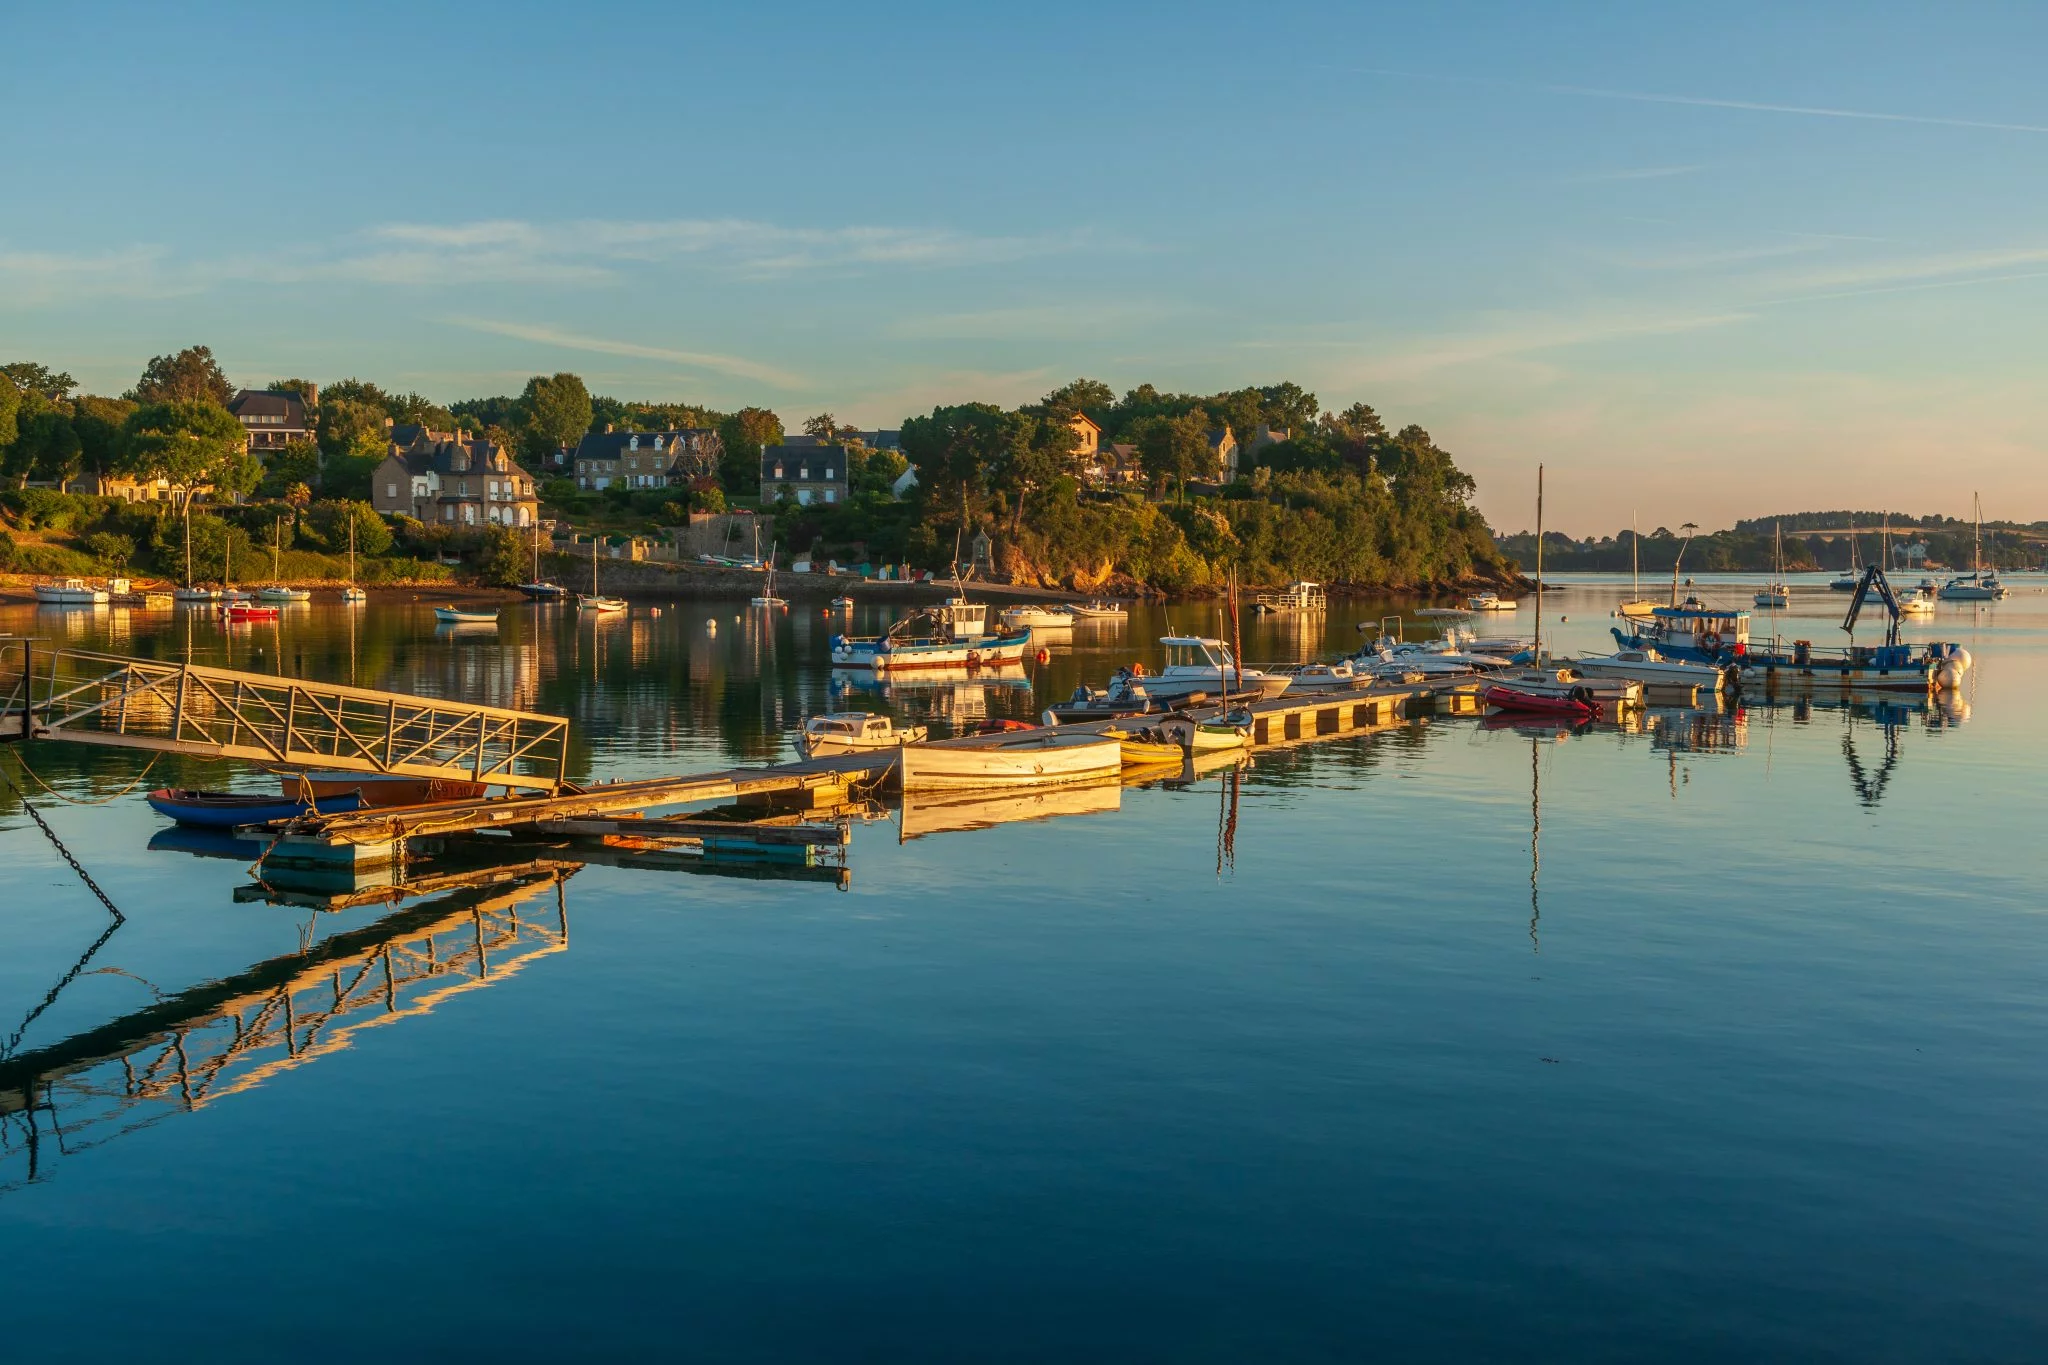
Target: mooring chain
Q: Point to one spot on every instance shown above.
(58, 844)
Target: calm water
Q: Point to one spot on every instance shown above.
(1721, 1038)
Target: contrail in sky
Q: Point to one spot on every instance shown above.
(1754, 106)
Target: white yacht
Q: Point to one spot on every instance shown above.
(1646, 665)
(1196, 663)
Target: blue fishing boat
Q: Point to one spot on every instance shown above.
(1688, 630)
(227, 810)
(951, 635)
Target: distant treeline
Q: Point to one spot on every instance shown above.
(1749, 548)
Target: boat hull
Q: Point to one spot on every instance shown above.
(378, 790)
(1506, 697)
(226, 810)
(999, 652)
(1037, 761)
(465, 618)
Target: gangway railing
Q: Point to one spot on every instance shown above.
(51, 692)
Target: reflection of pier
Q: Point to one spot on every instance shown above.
(215, 1040)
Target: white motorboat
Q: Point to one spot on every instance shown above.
(1099, 611)
(279, 593)
(354, 596)
(1196, 663)
(71, 592)
(1650, 667)
(1487, 601)
(1037, 617)
(1337, 677)
(1037, 758)
(1914, 602)
(854, 732)
(195, 594)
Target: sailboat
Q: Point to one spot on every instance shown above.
(1980, 584)
(228, 591)
(1851, 576)
(1776, 595)
(539, 589)
(596, 602)
(352, 594)
(191, 592)
(276, 591)
(768, 597)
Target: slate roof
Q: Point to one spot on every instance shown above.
(270, 403)
(613, 445)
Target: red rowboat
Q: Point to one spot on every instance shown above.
(1543, 699)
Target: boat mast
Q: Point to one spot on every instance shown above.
(351, 547)
(188, 545)
(593, 566)
(1537, 652)
(1635, 557)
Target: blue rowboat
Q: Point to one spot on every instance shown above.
(226, 810)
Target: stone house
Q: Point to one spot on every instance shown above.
(810, 468)
(452, 479)
(644, 459)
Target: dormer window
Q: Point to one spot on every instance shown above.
(633, 444)
(657, 443)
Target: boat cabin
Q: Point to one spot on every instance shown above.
(1301, 596)
(1196, 654)
(852, 725)
(962, 619)
(1693, 626)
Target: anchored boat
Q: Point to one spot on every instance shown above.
(1010, 760)
(854, 732)
(454, 615)
(953, 634)
(226, 810)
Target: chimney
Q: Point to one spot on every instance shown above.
(607, 428)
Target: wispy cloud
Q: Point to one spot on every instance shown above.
(1052, 321)
(1639, 173)
(1704, 101)
(587, 252)
(736, 366)
(1515, 336)
(1955, 266)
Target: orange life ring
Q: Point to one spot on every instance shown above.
(1137, 670)
(1711, 641)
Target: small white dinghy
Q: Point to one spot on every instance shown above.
(1010, 760)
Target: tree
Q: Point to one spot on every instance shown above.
(298, 463)
(824, 426)
(190, 444)
(350, 426)
(306, 389)
(1289, 405)
(1081, 397)
(48, 446)
(30, 377)
(553, 413)
(362, 391)
(98, 424)
(109, 550)
(503, 560)
(326, 524)
(192, 375)
(421, 410)
(10, 404)
(743, 434)
(1175, 448)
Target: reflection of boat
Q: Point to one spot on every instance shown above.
(850, 732)
(72, 592)
(953, 814)
(247, 611)
(456, 616)
(226, 810)
(1009, 760)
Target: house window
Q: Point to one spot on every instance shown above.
(391, 490)
(633, 444)
(831, 495)
(447, 514)
(828, 473)
(778, 470)
(803, 471)
(657, 443)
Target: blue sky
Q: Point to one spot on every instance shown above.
(1704, 261)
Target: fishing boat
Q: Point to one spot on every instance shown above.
(1487, 601)
(854, 732)
(1302, 597)
(1649, 667)
(71, 592)
(953, 634)
(768, 597)
(1980, 584)
(378, 790)
(1010, 760)
(1099, 611)
(1893, 667)
(1037, 618)
(596, 603)
(1689, 630)
(227, 810)
(456, 616)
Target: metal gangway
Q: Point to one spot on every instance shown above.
(50, 692)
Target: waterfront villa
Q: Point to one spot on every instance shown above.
(444, 477)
